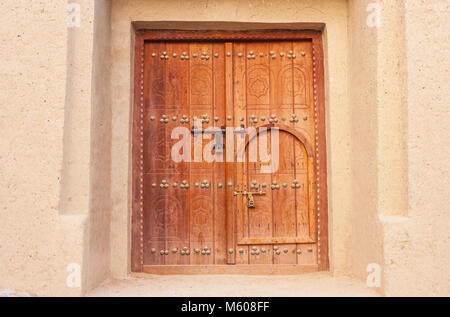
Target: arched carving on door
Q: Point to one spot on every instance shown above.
(286, 212)
(281, 127)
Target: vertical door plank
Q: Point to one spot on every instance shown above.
(177, 207)
(312, 200)
(240, 103)
(154, 151)
(284, 200)
(301, 191)
(258, 101)
(220, 243)
(304, 109)
(201, 173)
(230, 154)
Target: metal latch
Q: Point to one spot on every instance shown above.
(219, 133)
(251, 200)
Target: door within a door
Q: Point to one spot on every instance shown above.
(229, 162)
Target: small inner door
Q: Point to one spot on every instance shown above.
(273, 92)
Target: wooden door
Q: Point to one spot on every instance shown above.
(265, 89)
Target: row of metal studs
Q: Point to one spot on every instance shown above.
(317, 152)
(205, 56)
(207, 251)
(141, 160)
(205, 119)
(184, 185)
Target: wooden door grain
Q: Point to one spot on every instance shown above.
(185, 214)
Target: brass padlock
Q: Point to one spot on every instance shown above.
(251, 201)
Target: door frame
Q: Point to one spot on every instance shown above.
(141, 36)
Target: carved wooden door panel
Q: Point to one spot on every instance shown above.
(183, 211)
(260, 196)
(274, 91)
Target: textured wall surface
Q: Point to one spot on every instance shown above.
(96, 265)
(366, 237)
(65, 106)
(33, 56)
(417, 246)
(54, 212)
(400, 145)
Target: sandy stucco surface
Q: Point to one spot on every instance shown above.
(65, 96)
(316, 284)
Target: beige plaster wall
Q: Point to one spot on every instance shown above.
(33, 59)
(54, 191)
(96, 264)
(417, 246)
(65, 110)
(366, 238)
(399, 96)
(377, 81)
(292, 14)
